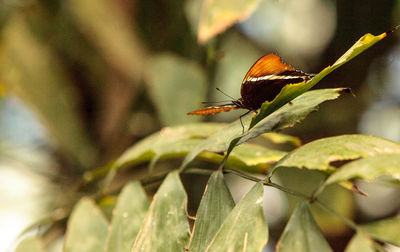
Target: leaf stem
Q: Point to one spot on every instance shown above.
(312, 199)
(269, 183)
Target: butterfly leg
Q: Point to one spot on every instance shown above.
(241, 122)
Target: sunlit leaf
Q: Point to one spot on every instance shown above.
(216, 204)
(30, 244)
(319, 154)
(31, 70)
(360, 242)
(280, 138)
(291, 91)
(177, 142)
(154, 145)
(171, 77)
(87, 228)
(287, 116)
(169, 142)
(165, 227)
(302, 233)
(385, 230)
(128, 216)
(245, 228)
(114, 35)
(252, 158)
(217, 15)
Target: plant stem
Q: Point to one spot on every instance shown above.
(269, 183)
(311, 198)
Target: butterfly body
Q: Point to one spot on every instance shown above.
(263, 82)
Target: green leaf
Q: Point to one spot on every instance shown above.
(360, 242)
(128, 216)
(30, 244)
(179, 141)
(291, 91)
(25, 65)
(385, 230)
(318, 155)
(169, 142)
(287, 116)
(245, 228)
(87, 228)
(165, 227)
(165, 142)
(215, 206)
(302, 233)
(293, 113)
(176, 77)
(368, 168)
(217, 15)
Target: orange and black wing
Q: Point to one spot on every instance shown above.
(266, 78)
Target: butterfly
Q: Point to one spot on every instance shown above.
(263, 82)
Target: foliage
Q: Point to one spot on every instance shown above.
(162, 222)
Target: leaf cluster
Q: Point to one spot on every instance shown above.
(162, 224)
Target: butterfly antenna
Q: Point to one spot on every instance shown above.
(225, 94)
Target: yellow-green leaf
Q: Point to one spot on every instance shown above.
(360, 242)
(245, 228)
(302, 233)
(319, 154)
(215, 206)
(165, 227)
(368, 168)
(127, 218)
(385, 230)
(280, 138)
(86, 229)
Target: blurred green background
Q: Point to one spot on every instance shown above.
(82, 80)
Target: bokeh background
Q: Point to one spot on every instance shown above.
(82, 80)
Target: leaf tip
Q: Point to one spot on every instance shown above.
(392, 30)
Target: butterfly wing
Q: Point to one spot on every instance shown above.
(214, 109)
(266, 78)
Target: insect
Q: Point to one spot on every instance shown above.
(263, 82)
